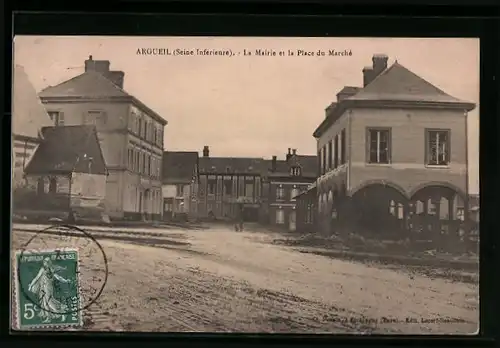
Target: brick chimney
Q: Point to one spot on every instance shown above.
(273, 164)
(367, 75)
(102, 67)
(294, 152)
(206, 151)
(379, 64)
(289, 154)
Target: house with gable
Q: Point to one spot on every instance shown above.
(130, 134)
(393, 155)
(285, 180)
(66, 172)
(28, 118)
(180, 184)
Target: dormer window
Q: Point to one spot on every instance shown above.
(228, 169)
(295, 171)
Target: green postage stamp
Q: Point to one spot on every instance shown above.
(47, 289)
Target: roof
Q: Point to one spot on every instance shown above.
(179, 167)
(28, 113)
(94, 85)
(308, 164)
(397, 83)
(233, 165)
(394, 84)
(349, 90)
(66, 149)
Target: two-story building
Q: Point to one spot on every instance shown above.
(28, 118)
(180, 184)
(393, 155)
(130, 134)
(286, 180)
(228, 185)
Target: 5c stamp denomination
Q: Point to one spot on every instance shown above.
(47, 289)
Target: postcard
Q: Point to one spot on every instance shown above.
(245, 185)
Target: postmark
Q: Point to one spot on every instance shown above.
(60, 272)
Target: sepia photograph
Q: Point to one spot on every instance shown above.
(245, 185)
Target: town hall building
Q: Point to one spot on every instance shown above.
(393, 156)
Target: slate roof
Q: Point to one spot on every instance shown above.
(239, 165)
(64, 150)
(308, 164)
(397, 83)
(94, 85)
(394, 84)
(28, 113)
(179, 166)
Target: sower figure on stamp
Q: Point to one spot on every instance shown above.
(43, 287)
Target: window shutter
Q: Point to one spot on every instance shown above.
(448, 153)
(426, 147)
(367, 145)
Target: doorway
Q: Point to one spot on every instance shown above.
(292, 221)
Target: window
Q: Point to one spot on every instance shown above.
(211, 187)
(438, 147)
(294, 194)
(130, 159)
(57, 117)
(179, 190)
(330, 154)
(249, 189)
(336, 153)
(139, 130)
(323, 167)
(141, 162)
(319, 163)
(295, 171)
(342, 147)
(137, 160)
(378, 146)
(228, 187)
(95, 118)
(280, 193)
(52, 185)
(280, 216)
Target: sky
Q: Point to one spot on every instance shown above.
(255, 106)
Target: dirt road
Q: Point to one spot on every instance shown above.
(219, 280)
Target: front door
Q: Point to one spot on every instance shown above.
(292, 221)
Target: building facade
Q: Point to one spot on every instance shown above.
(393, 155)
(180, 184)
(28, 118)
(286, 180)
(130, 134)
(227, 184)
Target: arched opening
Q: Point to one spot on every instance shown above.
(380, 209)
(437, 214)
